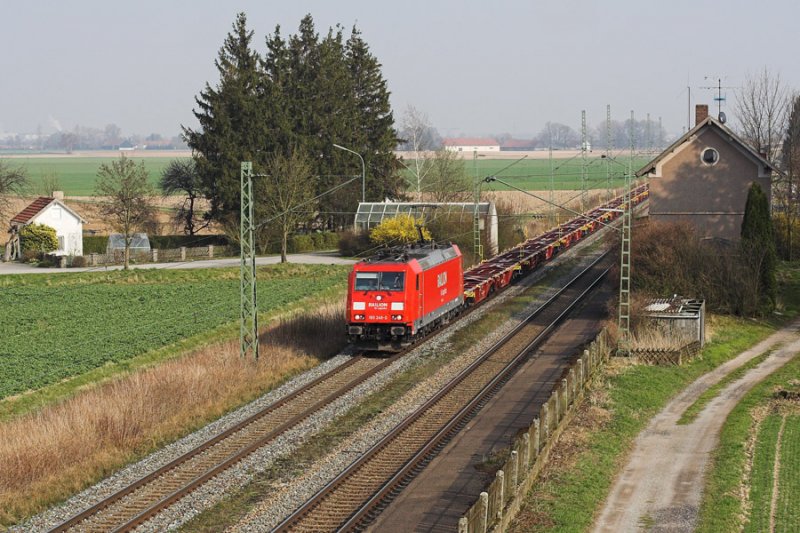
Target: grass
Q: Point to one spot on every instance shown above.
(77, 175)
(709, 394)
(723, 507)
(534, 174)
(762, 474)
(567, 496)
(60, 326)
(788, 511)
(51, 454)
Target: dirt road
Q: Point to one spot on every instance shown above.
(661, 486)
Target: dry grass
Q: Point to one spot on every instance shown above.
(52, 454)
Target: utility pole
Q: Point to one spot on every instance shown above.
(625, 256)
(609, 148)
(584, 163)
(553, 214)
(248, 330)
(477, 247)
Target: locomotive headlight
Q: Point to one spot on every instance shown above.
(397, 306)
(359, 317)
(397, 317)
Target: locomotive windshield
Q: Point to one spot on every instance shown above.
(380, 281)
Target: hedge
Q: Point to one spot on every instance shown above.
(96, 244)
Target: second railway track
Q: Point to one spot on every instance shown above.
(351, 500)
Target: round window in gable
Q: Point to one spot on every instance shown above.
(709, 156)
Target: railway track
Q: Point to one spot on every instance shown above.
(135, 504)
(356, 496)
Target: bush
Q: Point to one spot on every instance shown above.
(95, 244)
(38, 238)
(299, 243)
(78, 261)
(402, 229)
(352, 243)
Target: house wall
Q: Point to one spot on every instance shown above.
(67, 226)
(488, 148)
(711, 197)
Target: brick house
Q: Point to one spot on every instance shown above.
(703, 178)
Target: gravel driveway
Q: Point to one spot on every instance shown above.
(661, 487)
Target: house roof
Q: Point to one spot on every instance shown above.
(709, 122)
(37, 206)
(470, 141)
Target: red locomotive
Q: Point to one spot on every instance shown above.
(403, 292)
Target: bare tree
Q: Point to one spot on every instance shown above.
(420, 138)
(786, 194)
(287, 189)
(181, 177)
(447, 179)
(127, 194)
(561, 136)
(50, 183)
(13, 181)
(762, 107)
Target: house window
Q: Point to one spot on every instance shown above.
(61, 243)
(709, 156)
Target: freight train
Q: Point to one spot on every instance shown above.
(402, 293)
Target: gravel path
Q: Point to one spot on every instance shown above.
(660, 488)
(289, 496)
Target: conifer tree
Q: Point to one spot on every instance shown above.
(232, 122)
(758, 243)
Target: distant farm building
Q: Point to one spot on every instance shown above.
(370, 214)
(468, 144)
(703, 178)
(54, 213)
(518, 145)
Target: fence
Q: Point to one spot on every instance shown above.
(667, 357)
(175, 254)
(499, 503)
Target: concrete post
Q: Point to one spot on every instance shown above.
(154, 253)
(526, 450)
(463, 525)
(183, 253)
(536, 442)
(573, 384)
(93, 259)
(555, 396)
(565, 391)
(62, 261)
(581, 376)
(500, 477)
(514, 472)
(546, 422)
(211, 251)
(484, 513)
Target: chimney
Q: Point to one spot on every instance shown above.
(58, 195)
(700, 113)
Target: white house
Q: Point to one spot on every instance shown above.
(54, 213)
(471, 145)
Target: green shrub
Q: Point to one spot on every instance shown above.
(38, 238)
(78, 261)
(95, 244)
(299, 243)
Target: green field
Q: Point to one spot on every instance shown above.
(57, 326)
(76, 175)
(535, 175)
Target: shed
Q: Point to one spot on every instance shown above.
(704, 177)
(471, 144)
(54, 213)
(683, 316)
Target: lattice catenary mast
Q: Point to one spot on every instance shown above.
(248, 330)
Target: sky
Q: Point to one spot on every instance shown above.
(474, 67)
